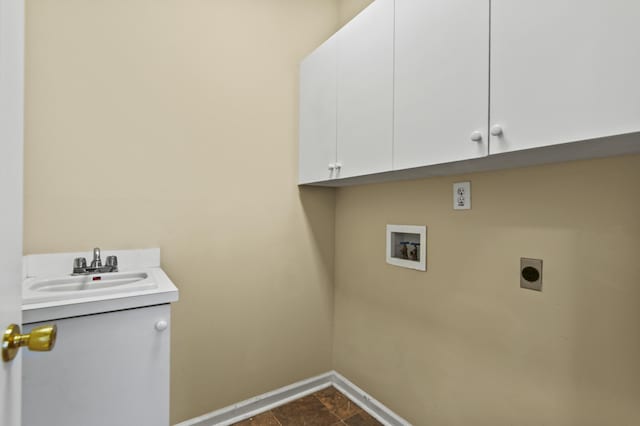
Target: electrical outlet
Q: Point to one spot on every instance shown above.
(462, 196)
(531, 274)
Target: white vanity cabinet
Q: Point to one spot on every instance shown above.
(106, 369)
(441, 81)
(563, 71)
(365, 92)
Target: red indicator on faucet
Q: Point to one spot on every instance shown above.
(96, 278)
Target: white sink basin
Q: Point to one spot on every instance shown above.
(62, 287)
(49, 291)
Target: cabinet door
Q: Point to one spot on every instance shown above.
(563, 71)
(318, 113)
(365, 91)
(105, 370)
(441, 81)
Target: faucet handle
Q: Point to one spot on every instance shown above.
(79, 264)
(112, 261)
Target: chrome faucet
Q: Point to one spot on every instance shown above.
(80, 264)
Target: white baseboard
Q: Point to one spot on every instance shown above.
(261, 403)
(375, 408)
(267, 401)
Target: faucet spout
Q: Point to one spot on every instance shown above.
(97, 262)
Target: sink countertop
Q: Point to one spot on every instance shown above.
(42, 266)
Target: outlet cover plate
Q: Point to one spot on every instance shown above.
(462, 196)
(531, 274)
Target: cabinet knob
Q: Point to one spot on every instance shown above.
(332, 166)
(162, 325)
(496, 130)
(338, 166)
(476, 136)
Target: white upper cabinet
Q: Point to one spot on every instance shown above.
(563, 71)
(317, 129)
(365, 92)
(431, 87)
(441, 81)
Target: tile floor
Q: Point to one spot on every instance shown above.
(327, 407)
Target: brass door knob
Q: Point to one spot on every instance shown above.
(41, 339)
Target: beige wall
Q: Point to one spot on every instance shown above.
(174, 124)
(461, 344)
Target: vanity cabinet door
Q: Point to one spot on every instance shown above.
(317, 143)
(105, 370)
(563, 71)
(441, 81)
(365, 91)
